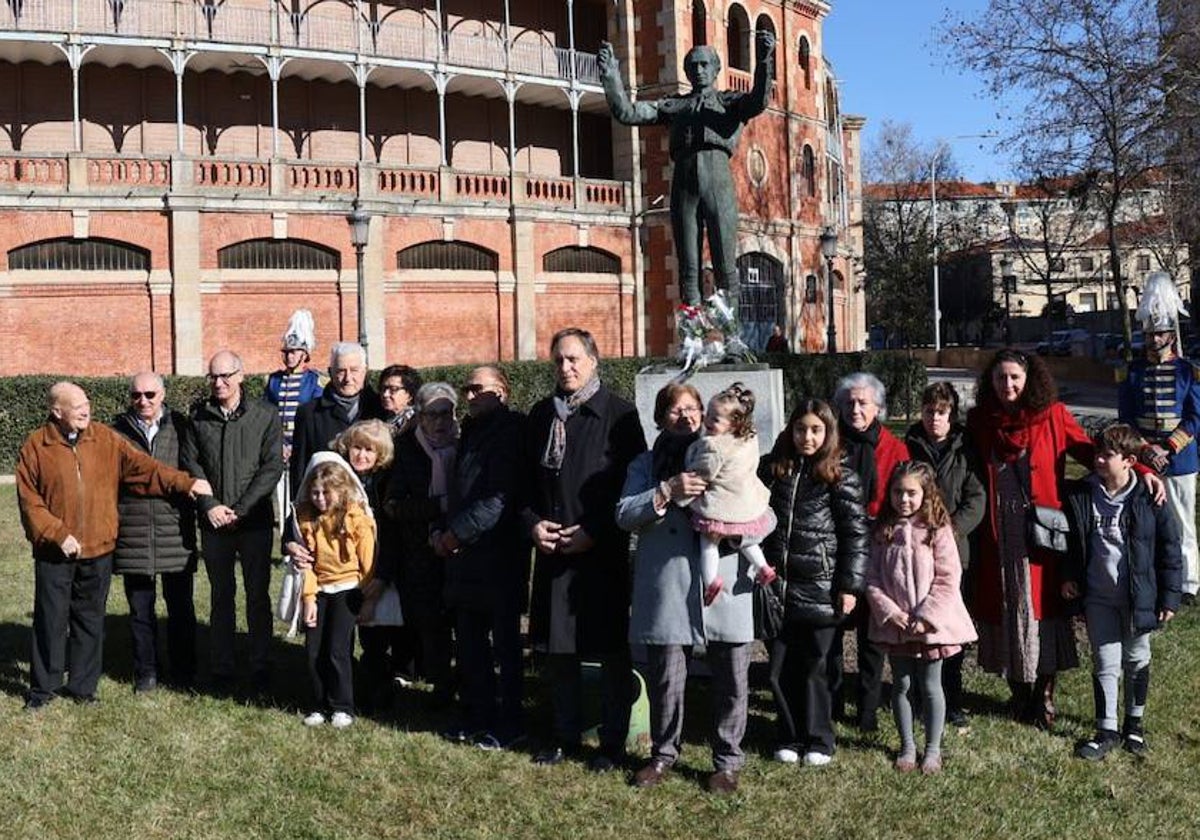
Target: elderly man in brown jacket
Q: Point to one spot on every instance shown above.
(68, 476)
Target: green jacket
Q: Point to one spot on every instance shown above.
(242, 458)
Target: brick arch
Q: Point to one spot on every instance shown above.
(268, 253)
(66, 253)
(738, 46)
(443, 255)
(580, 259)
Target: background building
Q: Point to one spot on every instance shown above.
(176, 176)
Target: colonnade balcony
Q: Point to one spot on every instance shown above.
(90, 176)
(360, 29)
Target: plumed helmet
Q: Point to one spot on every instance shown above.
(300, 334)
(1161, 305)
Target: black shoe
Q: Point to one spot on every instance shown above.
(868, 722)
(37, 702)
(1102, 744)
(1134, 737)
(606, 762)
(260, 684)
(145, 685)
(551, 757)
(959, 719)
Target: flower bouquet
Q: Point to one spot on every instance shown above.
(708, 334)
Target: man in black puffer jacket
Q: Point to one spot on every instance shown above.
(157, 536)
(237, 444)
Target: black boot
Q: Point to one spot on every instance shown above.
(1019, 706)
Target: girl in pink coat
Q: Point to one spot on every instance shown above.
(917, 611)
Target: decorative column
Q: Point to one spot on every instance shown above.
(178, 59)
(75, 51)
(274, 64)
(441, 80)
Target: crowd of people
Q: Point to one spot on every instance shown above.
(410, 524)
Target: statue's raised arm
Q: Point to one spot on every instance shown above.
(764, 71)
(623, 111)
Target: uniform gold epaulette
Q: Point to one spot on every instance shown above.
(1195, 370)
(1121, 373)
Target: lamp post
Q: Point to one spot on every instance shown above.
(1009, 280)
(829, 242)
(360, 227)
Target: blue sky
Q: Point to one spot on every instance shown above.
(890, 65)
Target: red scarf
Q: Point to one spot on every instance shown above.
(1010, 431)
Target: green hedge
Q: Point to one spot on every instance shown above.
(23, 398)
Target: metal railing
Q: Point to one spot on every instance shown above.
(326, 28)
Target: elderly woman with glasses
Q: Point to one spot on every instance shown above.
(1022, 434)
(417, 500)
(668, 615)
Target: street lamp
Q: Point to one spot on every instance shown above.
(360, 228)
(829, 242)
(1009, 280)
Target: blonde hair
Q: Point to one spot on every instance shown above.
(369, 434)
(336, 478)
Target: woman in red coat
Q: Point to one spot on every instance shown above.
(1023, 435)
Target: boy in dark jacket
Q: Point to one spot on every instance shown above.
(1124, 560)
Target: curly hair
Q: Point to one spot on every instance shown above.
(826, 461)
(932, 512)
(738, 401)
(1039, 393)
(368, 434)
(333, 477)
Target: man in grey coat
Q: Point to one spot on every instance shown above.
(238, 446)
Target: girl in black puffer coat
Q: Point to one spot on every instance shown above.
(819, 550)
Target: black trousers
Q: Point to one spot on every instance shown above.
(800, 685)
(330, 647)
(616, 699)
(69, 599)
(181, 624)
(870, 664)
(489, 637)
(222, 551)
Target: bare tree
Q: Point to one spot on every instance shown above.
(898, 235)
(1094, 70)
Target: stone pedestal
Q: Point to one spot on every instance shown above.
(764, 381)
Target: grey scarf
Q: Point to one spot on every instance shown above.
(564, 407)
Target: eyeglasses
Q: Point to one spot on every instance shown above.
(475, 388)
(142, 395)
(685, 411)
(392, 389)
(224, 377)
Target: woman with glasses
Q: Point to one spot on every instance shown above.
(668, 614)
(1022, 433)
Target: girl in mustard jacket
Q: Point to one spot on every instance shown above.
(917, 612)
(337, 526)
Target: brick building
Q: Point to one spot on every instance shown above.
(176, 176)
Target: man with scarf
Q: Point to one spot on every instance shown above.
(346, 400)
(579, 444)
(1160, 397)
(872, 451)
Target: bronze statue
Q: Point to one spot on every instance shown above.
(705, 125)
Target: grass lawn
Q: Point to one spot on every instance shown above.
(180, 766)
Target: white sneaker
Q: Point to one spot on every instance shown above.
(314, 719)
(341, 720)
(816, 759)
(787, 755)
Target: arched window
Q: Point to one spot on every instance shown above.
(448, 256)
(765, 24)
(737, 37)
(699, 23)
(831, 106)
(68, 254)
(809, 172)
(582, 261)
(278, 255)
(762, 297)
(805, 59)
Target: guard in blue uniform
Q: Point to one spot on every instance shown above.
(1160, 397)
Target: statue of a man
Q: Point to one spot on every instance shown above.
(705, 125)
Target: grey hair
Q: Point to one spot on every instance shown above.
(862, 379)
(346, 348)
(162, 386)
(431, 391)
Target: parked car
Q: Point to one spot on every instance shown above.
(1063, 342)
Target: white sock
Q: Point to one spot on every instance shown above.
(755, 558)
(710, 559)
